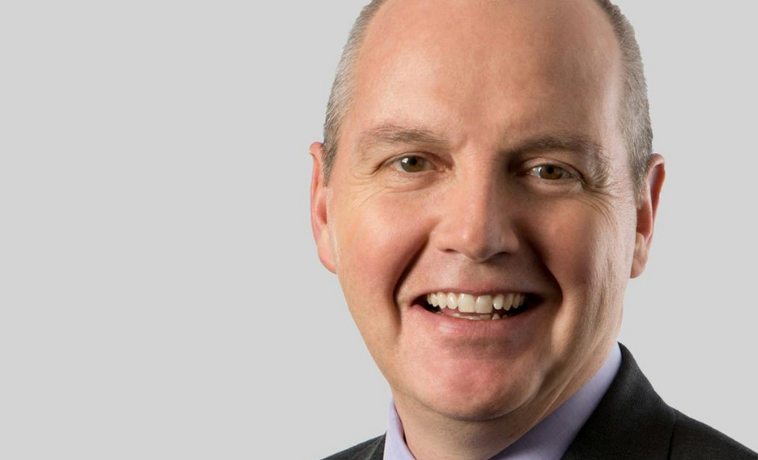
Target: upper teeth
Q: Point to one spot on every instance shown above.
(467, 303)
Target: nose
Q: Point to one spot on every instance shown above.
(477, 218)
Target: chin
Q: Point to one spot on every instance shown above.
(475, 408)
(472, 393)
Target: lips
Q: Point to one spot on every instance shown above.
(494, 306)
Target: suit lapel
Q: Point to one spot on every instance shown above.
(374, 451)
(631, 422)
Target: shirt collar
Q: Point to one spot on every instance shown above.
(549, 439)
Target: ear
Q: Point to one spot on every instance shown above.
(646, 211)
(319, 208)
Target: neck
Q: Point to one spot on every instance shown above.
(433, 436)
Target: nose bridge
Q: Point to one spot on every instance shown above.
(476, 217)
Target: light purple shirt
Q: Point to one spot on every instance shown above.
(549, 439)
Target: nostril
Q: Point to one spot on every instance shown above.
(478, 242)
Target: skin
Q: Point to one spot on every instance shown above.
(481, 80)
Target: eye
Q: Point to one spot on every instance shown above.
(550, 172)
(412, 164)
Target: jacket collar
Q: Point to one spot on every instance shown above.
(631, 422)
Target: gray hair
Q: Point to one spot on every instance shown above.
(634, 119)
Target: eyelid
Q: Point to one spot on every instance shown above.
(545, 165)
(572, 172)
(395, 162)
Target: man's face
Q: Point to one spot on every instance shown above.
(482, 157)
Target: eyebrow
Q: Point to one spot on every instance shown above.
(566, 142)
(390, 134)
(600, 165)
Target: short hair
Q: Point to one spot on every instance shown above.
(634, 116)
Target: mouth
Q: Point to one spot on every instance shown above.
(488, 307)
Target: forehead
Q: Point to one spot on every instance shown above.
(489, 67)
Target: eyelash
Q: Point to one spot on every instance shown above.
(569, 173)
(397, 163)
(566, 171)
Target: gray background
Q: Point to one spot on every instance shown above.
(160, 295)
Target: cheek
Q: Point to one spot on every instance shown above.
(377, 238)
(582, 243)
(587, 254)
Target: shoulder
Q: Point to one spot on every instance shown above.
(633, 422)
(373, 449)
(693, 440)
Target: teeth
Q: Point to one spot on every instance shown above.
(442, 300)
(484, 304)
(431, 299)
(452, 301)
(508, 302)
(466, 303)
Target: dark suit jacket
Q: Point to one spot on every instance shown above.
(631, 422)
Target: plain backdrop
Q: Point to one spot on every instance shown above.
(160, 294)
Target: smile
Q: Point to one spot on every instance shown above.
(477, 308)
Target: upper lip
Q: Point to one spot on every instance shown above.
(474, 291)
(476, 281)
(478, 292)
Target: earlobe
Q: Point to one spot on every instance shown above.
(640, 255)
(319, 208)
(646, 213)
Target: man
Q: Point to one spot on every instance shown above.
(485, 190)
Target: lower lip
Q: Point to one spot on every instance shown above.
(456, 328)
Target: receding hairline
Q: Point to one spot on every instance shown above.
(633, 119)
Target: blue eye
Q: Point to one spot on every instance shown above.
(550, 172)
(412, 164)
